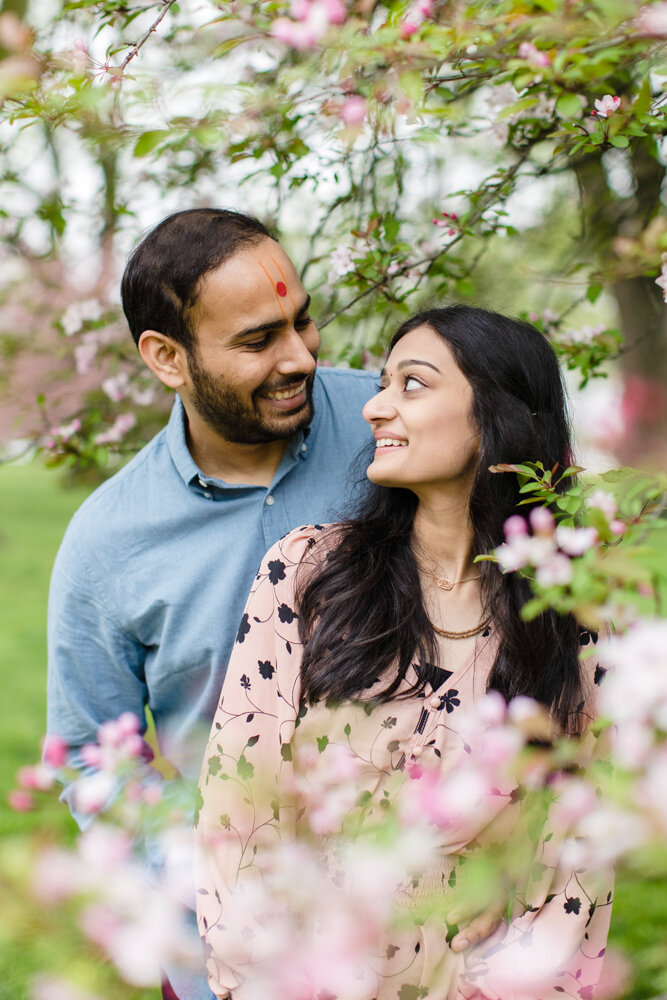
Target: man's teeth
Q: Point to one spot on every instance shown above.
(288, 393)
(390, 442)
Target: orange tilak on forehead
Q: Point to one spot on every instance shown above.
(280, 287)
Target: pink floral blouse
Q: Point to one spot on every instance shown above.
(556, 937)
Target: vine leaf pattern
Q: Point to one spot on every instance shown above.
(239, 816)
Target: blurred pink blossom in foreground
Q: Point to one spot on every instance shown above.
(309, 22)
(653, 20)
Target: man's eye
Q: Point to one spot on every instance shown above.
(257, 345)
(412, 383)
(302, 322)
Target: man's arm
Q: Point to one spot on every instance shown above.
(96, 669)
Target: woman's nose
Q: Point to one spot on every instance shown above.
(379, 407)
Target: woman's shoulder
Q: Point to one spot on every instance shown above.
(307, 543)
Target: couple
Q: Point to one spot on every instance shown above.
(153, 574)
(387, 614)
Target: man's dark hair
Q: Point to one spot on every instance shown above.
(163, 275)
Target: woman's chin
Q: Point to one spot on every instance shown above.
(381, 478)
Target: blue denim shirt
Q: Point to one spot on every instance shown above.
(152, 577)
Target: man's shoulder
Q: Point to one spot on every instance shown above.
(347, 382)
(108, 504)
(341, 394)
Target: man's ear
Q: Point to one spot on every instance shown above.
(165, 358)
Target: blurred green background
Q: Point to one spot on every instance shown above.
(35, 506)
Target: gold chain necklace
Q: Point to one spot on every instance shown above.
(468, 634)
(444, 584)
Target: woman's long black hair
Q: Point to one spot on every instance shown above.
(362, 616)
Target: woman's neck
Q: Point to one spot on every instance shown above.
(443, 537)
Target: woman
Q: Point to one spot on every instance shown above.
(390, 609)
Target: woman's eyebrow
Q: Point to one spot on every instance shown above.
(411, 361)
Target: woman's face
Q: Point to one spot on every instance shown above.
(422, 417)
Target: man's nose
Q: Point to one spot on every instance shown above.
(297, 355)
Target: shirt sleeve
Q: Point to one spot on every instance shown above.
(241, 809)
(554, 945)
(95, 669)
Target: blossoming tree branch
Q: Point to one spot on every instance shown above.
(412, 131)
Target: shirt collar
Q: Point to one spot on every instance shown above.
(190, 472)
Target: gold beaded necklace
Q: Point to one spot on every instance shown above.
(468, 634)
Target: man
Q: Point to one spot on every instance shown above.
(150, 583)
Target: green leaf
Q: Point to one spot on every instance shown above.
(568, 106)
(412, 84)
(391, 228)
(593, 292)
(620, 141)
(147, 142)
(643, 102)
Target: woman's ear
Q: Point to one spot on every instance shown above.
(165, 358)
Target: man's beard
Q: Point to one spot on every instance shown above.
(223, 409)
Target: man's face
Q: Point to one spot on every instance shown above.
(251, 375)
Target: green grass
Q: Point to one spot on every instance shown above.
(34, 511)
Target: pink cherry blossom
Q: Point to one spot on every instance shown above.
(353, 111)
(58, 875)
(84, 356)
(20, 801)
(618, 527)
(341, 263)
(607, 105)
(542, 521)
(604, 501)
(122, 424)
(79, 313)
(515, 527)
(116, 386)
(309, 22)
(92, 792)
(128, 723)
(555, 571)
(38, 777)
(533, 55)
(91, 755)
(408, 28)
(54, 751)
(653, 20)
(575, 541)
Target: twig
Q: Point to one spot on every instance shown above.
(147, 34)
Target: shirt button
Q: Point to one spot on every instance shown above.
(202, 482)
(269, 501)
(207, 495)
(434, 702)
(417, 751)
(304, 447)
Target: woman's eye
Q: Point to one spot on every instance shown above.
(412, 383)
